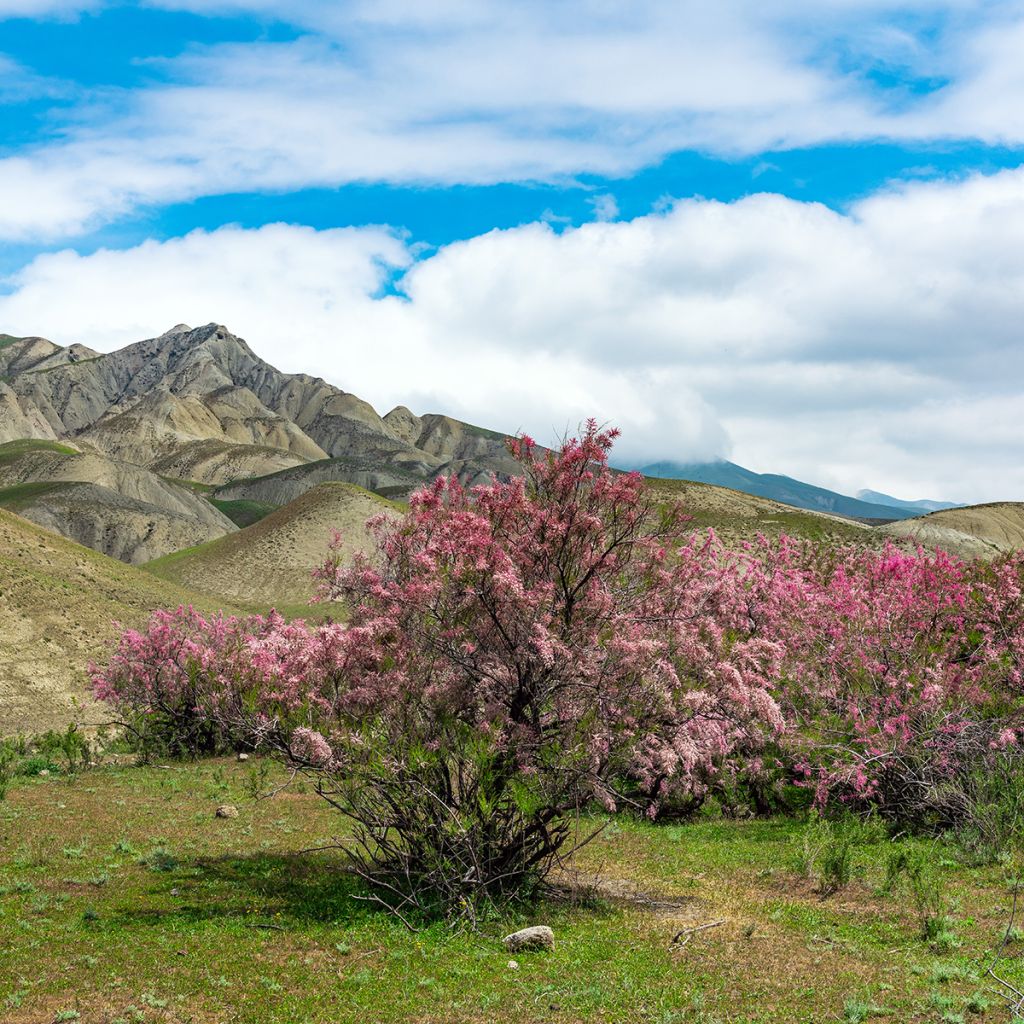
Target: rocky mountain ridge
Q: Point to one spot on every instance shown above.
(197, 409)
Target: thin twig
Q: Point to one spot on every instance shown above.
(1016, 1001)
(685, 934)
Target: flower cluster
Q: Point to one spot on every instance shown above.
(559, 637)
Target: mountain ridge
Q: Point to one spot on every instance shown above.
(776, 486)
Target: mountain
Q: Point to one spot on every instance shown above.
(150, 446)
(972, 531)
(921, 507)
(779, 488)
(59, 603)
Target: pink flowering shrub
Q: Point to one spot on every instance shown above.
(517, 650)
(908, 680)
(162, 681)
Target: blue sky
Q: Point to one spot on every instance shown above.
(791, 233)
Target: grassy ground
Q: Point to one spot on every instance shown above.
(122, 898)
(242, 512)
(15, 498)
(12, 450)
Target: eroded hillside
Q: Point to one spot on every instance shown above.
(59, 603)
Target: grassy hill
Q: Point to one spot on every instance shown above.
(737, 516)
(976, 531)
(269, 563)
(58, 603)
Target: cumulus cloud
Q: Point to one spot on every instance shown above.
(487, 92)
(877, 348)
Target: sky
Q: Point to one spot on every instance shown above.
(789, 233)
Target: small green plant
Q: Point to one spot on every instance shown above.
(160, 859)
(836, 864)
(8, 758)
(256, 779)
(826, 853)
(857, 1010)
(909, 865)
(977, 1003)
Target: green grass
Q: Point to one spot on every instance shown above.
(7, 339)
(342, 461)
(192, 485)
(15, 449)
(21, 495)
(119, 889)
(244, 512)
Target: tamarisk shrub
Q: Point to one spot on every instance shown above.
(909, 689)
(514, 651)
(160, 681)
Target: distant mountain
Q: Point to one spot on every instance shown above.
(922, 507)
(779, 488)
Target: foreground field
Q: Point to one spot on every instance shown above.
(122, 898)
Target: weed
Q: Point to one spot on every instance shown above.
(927, 892)
(978, 1003)
(160, 859)
(256, 779)
(857, 1010)
(826, 852)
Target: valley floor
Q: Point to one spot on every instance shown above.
(123, 899)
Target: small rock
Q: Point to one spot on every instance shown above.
(243, 757)
(44, 771)
(174, 892)
(227, 811)
(538, 937)
(513, 965)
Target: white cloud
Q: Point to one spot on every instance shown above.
(491, 91)
(881, 348)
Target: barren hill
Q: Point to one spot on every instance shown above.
(270, 562)
(115, 507)
(58, 605)
(975, 531)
